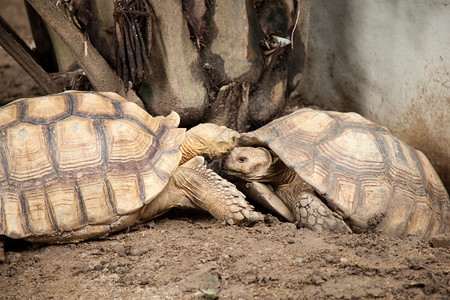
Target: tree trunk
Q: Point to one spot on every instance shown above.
(231, 62)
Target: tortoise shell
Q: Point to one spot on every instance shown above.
(364, 172)
(81, 162)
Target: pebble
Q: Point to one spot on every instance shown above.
(345, 261)
(138, 251)
(330, 259)
(441, 240)
(99, 267)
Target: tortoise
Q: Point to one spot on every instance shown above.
(340, 172)
(81, 165)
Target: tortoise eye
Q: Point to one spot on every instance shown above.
(242, 159)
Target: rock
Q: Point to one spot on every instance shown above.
(345, 262)
(330, 259)
(441, 240)
(98, 267)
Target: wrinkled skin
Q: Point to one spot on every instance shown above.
(257, 164)
(209, 140)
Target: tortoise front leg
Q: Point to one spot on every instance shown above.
(207, 190)
(312, 213)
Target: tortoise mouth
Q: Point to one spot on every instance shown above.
(230, 172)
(236, 174)
(249, 177)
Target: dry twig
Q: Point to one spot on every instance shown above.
(132, 22)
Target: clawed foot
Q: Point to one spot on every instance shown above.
(240, 212)
(208, 190)
(312, 213)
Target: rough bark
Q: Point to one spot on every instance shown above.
(100, 74)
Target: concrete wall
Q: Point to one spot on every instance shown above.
(388, 60)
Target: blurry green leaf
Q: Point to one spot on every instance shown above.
(210, 286)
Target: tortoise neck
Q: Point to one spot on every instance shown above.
(187, 151)
(279, 174)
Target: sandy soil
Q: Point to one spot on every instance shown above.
(189, 255)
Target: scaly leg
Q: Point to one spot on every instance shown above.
(209, 191)
(312, 213)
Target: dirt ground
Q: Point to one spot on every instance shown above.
(190, 255)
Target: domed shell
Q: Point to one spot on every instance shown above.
(77, 165)
(363, 171)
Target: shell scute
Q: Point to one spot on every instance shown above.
(64, 205)
(365, 212)
(125, 192)
(420, 218)
(153, 184)
(140, 115)
(315, 174)
(93, 105)
(354, 150)
(111, 96)
(399, 211)
(172, 139)
(310, 126)
(404, 163)
(46, 108)
(165, 165)
(37, 211)
(433, 181)
(12, 215)
(126, 141)
(352, 119)
(298, 156)
(3, 175)
(95, 198)
(304, 127)
(77, 144)
(27, 152)
(343, 189)
(9, 114)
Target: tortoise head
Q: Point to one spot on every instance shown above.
(249, 163)
(208, 140)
